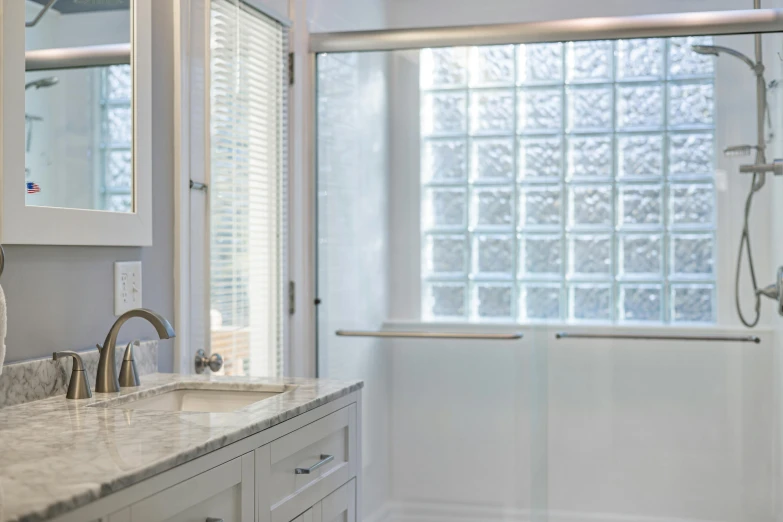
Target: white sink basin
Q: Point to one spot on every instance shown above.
(204, 400)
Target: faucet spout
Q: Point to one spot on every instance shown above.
(106, 380)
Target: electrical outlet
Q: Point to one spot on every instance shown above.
(127, 286)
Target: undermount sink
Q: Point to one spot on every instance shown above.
(204, 400)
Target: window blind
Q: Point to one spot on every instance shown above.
(248, 84)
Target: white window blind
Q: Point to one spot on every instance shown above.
(248, 83)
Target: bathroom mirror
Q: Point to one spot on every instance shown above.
(77, 170)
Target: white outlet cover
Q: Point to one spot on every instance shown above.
(127, 286)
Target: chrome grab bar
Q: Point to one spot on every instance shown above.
(430, 335)
(637, 337)
(77, 57)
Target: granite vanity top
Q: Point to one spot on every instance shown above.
(58, 455)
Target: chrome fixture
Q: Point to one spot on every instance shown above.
(40, 14)
(79, 385)
(760, 167)
(430, 335)
(195, 185)
(214, 362)
(639, 337)
(129, 376)
(106, 381)
(77, 57)
(42, 83)
(324, 459)
(738, 150)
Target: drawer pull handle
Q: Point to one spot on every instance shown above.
(210, 519)
(325, 459)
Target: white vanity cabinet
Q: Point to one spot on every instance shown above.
(305, 470)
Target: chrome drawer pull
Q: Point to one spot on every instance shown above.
(325, 459)
(210, 519)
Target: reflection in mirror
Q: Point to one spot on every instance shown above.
(78, 110)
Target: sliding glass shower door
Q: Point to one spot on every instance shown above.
(522, 252)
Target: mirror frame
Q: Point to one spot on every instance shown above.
(22, 224)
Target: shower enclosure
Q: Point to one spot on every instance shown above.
(526, 238)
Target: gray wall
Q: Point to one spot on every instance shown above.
(63, 297)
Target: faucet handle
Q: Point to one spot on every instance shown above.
(79, 385)
(129, 376)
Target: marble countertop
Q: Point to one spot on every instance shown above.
(58, 455)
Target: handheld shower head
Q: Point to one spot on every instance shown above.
(738, 150)
(42, 83)
(716, 50)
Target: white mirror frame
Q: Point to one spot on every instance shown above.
(22, 224)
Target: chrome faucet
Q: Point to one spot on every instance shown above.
(106, 380)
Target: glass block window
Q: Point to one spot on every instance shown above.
(116, 127)
(569, 182)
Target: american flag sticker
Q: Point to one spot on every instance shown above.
(33, 188)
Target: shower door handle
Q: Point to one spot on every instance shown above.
(431, 335)
(640, 337)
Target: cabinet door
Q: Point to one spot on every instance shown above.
(311, 515)
(222, 493)
(340, 506)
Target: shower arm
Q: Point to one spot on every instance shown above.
(40, 14)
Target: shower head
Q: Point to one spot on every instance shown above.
(42, 83)
(738, 150)
(716, 50)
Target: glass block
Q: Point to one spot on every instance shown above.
(692, 204)
(640, 205)
(640, 59)
(640, 156)
(590, 255)
(540, 159)
(446, 67)
(692, 303)
(446, 255)
(492, 65)
(589, 61)
(691, 154)
(493, 255)
(540, 110)
(492, 207)
(443, 113)
(539, 301)
(692, 255)
(444, 160)
(493, 301)
(684, 62)
(639, 107)
(540, 63)
(445, 207)
(590, 205)
(444, 300)
(492, 112)
(119, 203)
(590, 109)
(540, 255)
(118, 82)
(641, 303)
(590, 157)
(120, 125)
(540, 206)
(492, 159)
(119, 174)
(691, 104)
(590, 302)
(640, 255)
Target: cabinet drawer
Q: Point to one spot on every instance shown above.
(326, 448)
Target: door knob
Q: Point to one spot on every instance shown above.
(214, 362)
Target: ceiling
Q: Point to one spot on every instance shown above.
(84, 6)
